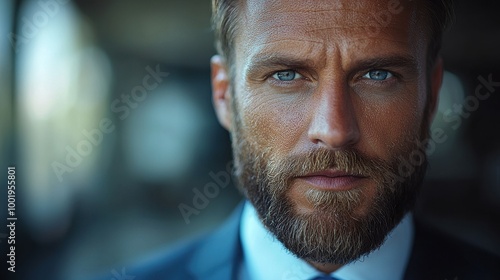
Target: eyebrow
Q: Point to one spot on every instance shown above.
(393, 61)
(263, 63)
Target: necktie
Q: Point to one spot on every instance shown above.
(324, 278)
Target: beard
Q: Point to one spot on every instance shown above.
(335, 231)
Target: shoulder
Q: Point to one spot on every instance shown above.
(171, 263)
(214, 255)
(437, 255)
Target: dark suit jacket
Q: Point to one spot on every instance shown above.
(218, 256)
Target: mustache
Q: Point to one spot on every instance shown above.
(348, 160)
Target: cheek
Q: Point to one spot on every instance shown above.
(387, 126)
(273, 120)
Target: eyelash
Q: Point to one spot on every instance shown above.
(286, 70)
(388, 81)
(388, 74)
(361, 77)
(278, 82)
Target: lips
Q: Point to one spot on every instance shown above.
(334, 180)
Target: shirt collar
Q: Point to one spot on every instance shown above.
(266, 258)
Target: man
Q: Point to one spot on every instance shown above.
(328, 104)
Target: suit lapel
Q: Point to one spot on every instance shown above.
(220, 256)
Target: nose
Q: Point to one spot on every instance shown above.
(334, 123)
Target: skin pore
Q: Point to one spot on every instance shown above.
(319, 108)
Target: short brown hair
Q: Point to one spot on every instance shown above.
(225, 14)
(224, 18)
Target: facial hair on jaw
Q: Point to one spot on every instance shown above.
(332, 233)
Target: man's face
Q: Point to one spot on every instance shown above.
(323, 104)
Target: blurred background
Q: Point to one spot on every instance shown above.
(105, 110)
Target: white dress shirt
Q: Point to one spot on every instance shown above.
(265, 258)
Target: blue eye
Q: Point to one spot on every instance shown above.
(287, 75)
(378, 75)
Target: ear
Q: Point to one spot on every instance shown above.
(435, 86)
(221, 93)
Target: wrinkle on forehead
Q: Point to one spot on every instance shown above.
(257, 6)
(316, 14)
(325, 19)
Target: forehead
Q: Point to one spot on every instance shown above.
(278, 17)
(329, 24)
